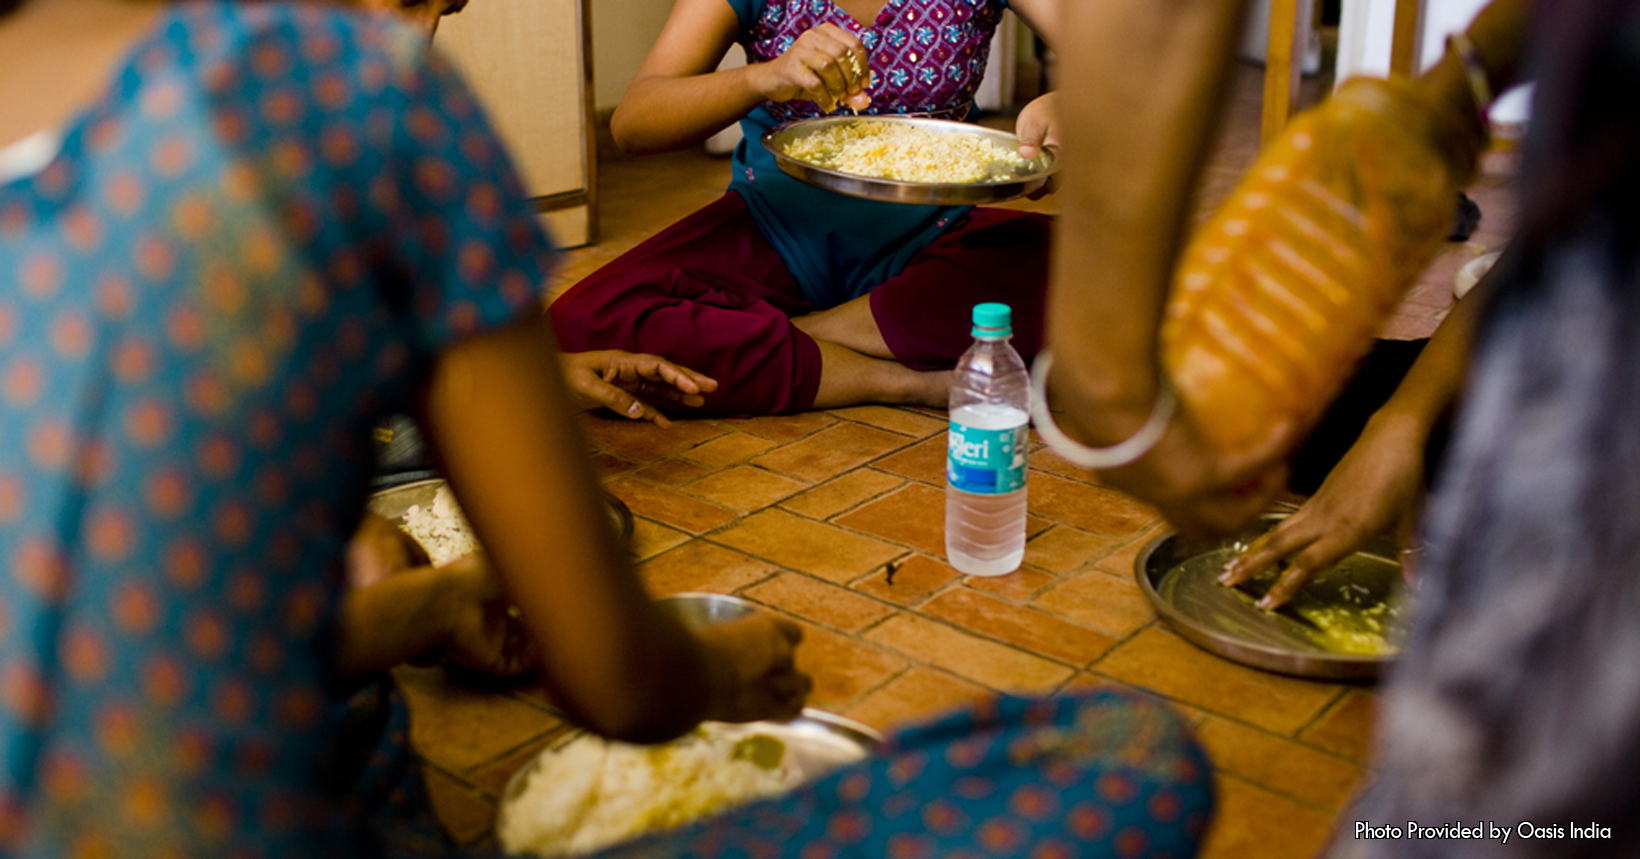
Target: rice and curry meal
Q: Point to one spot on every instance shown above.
(1339, 615)
(440, 528)
(594, 793)
(904, 152)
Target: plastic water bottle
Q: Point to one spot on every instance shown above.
(986, 449)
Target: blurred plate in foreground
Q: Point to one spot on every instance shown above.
(587, 793)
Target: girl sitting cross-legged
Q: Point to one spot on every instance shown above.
(791, 296)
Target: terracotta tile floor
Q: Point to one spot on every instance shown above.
(834, 519)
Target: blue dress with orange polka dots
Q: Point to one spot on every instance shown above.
(246, 252)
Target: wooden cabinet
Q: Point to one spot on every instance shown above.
(530, 62)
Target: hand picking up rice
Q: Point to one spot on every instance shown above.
(904, 152)
(599, 793)
(441, 529)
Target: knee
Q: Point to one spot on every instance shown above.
(1139, 757)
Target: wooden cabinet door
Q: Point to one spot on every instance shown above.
(529, 63)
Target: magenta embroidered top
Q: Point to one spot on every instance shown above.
(926, 56)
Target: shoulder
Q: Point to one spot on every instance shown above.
(748, 11)
(296, 41)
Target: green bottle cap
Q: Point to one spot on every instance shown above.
(993, 320)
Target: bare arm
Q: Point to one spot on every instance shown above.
(1038, 125)
(1377, 483)
(1134, 144)
(679, 98)
(1499, 36)
(1042, 16)
(1146, 80)
(499, 417)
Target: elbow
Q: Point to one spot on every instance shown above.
(621, 131)
(629, 134)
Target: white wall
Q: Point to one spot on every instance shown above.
(622, 31)
(1366, 29)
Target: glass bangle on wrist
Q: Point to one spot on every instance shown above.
(1079, 454)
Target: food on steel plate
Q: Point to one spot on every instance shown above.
(904, 152)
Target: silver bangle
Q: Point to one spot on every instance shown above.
(1117, 455)
(1474, 70)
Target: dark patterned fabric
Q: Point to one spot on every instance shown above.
(1106, 775)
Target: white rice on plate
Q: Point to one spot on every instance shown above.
(440, 528)
(903, 152)
(597, 793)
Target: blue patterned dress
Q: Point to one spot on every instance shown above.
(245, 252)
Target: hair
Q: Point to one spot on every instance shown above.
(9, 6)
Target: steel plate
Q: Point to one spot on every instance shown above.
(816, 741)
(1179, 577)
(395, 502)
(1024, 180)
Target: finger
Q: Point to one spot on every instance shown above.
(791, 631)
(849, 54)
(791, 688)
(1268, 550)
(827, 66)
(1031, 135)
(673, 395)
(788, 683)
(676, 378)
(705, 383)
(1293, 578)
(832, 78)
(1032, 149)
(1320, 555)
(809, 76)
(617, 400)
(664, 371)
(808, 83)
(683, 378)
(1254, 560)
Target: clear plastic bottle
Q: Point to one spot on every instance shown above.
(986, 450)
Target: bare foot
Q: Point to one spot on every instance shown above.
(848, 378)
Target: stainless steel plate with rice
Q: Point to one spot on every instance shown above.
(814, 151)
(395, 503)
(1345, 624)
(583, 793)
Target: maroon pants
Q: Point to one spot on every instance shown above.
(709, 292)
